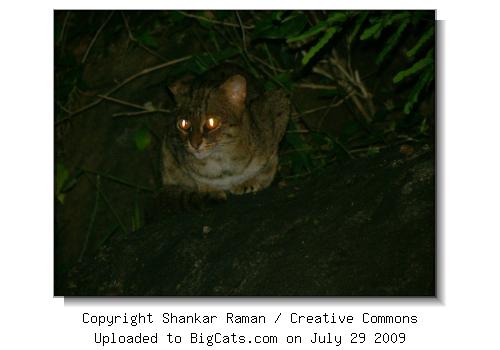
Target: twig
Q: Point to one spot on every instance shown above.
(214, 21)
(242, 32)
(127, 27)
(270, 58)
(147, 71)
(62, 107)
(316, 86)
(297, 150)
(95, 37)
(350, 80)
(115, 214)
(92, 218)
(216, 42)
(366, 94)
(123, 83)
(309, 111)
(305, 131)
(260, 60)
(323, 156)
(322, 72)
(362, 109)
(134, 39)
(344, 148)
(132, 114)
(109, 235)
(331, 105)
(118, 180)
(298, 176)
(336, 61)
(63, 29)
(143, 109)
(125, 103)
(205, 47)
(369, 149)
(309, 172)
(273, 78)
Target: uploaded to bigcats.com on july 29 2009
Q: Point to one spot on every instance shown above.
(338, 329)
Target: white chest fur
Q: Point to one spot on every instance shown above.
(222, 174)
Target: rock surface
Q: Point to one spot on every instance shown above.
(365, 227)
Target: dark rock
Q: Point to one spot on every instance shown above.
(362, 228)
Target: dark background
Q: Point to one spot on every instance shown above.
(361, 82)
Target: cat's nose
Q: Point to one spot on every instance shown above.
(196, 140)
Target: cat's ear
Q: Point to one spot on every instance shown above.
(181, 86)
(235, 90)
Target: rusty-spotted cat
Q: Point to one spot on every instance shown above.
(225, 134)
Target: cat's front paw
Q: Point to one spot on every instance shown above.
(245, 188)
(217, 196)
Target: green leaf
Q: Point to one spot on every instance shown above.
(62, 176)
(204, 20)
(276, 16)
(357, 26)
(422, 83)
(309, 33)
(142, 139)
(396, 17)
(202, 62)
(424, 127)
(336, 17)
(270, 28)
(146, 39)
(417, 66)
(423, 39)
(301, 158)
(372, 150)
(176, 16)
(66, 182)
(319, 45)
(283, 80)
(136, 218)
(380, 23)
(372, 31)
(392, 41)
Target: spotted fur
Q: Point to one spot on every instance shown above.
(239, 156)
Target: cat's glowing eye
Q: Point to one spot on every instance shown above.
(212, 123)
(184, 124)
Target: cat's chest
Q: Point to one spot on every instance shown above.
(225, 172)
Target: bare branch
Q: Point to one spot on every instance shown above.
(214, 21)
(95, 36)
(316, 86)
(140, 113)
(242, 32)
(63, 29)
(134, 39)
(123, 83)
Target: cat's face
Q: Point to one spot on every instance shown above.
(208, 117)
